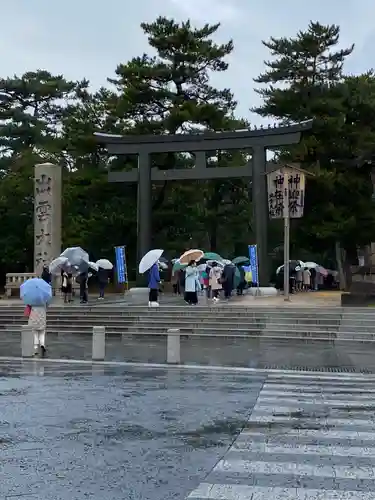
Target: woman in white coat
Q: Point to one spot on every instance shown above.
(192, 284)
(38, 322)
(215, 277)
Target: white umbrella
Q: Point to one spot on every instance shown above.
(93, 265)
(311, 265)
(149, 260)
(220, 263)
(191, 255)
(162, 265)
(58, 264)
(104, 264)
(84, 266)
(75, 255)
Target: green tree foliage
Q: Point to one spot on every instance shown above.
(44, 117)
(171, 93)
(31, 110)
(305, 80)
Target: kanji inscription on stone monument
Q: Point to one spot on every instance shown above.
(47, 214)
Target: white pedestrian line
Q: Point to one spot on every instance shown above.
(306, 411)
(334, 389)
(313, 433)
(247, 467)
(318, 377)
(207, 491)
(263, 417)
(298, 449)
(310, 401)
(317, 394)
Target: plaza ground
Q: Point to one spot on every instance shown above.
(76, 432)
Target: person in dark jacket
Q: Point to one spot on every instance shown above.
(46, 275)
(153, 285)
(242, 284)
(66, 286)
(103, 281)
(82, 280)
(227, 279)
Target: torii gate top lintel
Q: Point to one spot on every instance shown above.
(206, 141)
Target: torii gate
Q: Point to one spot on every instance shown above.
(259, 140)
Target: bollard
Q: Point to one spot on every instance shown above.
(98, 343)
(27, 342)
(173, 346)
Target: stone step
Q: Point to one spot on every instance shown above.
(192, 310)
(285, 314)
(215, 307)
(270, 336)
(214, 330)
(168, 322)
(328, 322)
(196, 310)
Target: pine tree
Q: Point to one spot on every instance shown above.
(303, 74)
(306, 80)
(171, 93)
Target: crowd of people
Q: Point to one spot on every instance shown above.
(213, 280)
(306, 280)
(67, 280)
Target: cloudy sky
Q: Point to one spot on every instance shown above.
(88, 38)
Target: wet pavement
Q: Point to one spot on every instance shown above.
(78, 432)
(223, 351)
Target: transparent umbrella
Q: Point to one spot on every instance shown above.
(58, 264)
(75, 255)
(104, 264)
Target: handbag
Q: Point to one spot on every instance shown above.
(27, 311)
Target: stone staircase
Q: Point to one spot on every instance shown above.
(309, 324)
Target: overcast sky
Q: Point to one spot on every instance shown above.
(88, 38)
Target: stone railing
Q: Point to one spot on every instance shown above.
(15, 280)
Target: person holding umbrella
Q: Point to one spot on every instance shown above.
(150, 262)
(104, 267)
(66, 286)
(36, 294)
(102, 281)
(192, 284)
(153, 284)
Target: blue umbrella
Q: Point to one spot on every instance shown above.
(35, 292)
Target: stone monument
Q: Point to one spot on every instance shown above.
(47, 214)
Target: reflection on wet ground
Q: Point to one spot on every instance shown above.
(242, 352)
(82, 432)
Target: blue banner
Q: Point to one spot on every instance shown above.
(253, 254)
(122, 275)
